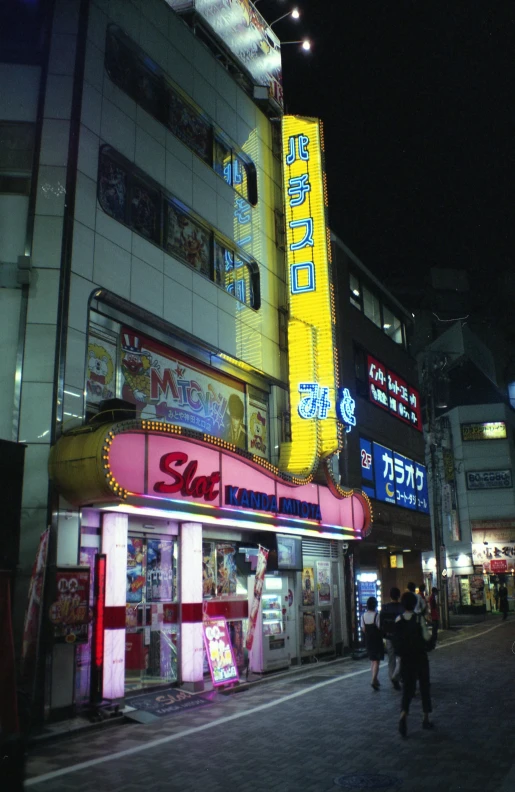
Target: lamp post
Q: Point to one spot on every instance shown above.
(306, 43)
(294, 13)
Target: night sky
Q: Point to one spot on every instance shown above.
(418, 104)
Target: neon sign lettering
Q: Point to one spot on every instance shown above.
(315, 402)
(186, 483)
(345, 407)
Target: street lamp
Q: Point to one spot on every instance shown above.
(294, 13)
(306, 43)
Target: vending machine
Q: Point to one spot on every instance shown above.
(270, 649)
(367, 585)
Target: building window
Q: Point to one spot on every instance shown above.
(392, 326)
(16, 155)
(355, 292)
(138, 76)
(371, 307)
(156, 215)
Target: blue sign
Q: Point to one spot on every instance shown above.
(367, 468)
(397, 478)
(421, 488)
(384, 475)
(404, 469)
(345, 406)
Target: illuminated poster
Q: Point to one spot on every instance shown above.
(405, 493)
(392, 393)
(309, 629)
(166, 386)
(135, 569)
(208, 569)
(377, 382)
(259, 579)
(219, 651)
(308, 586)
(324, 582)
(225, 569)
(160, 577)
(421, 488)
(70, 612)
(257, 412)
(384, 473)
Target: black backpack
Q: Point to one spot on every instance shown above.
(408, 640)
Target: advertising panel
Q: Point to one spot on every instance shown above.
(384, 473)
(70, 612)
(493, 430)
(488, 479)
(256, 599)
(405, 494)
(166, 386)
(308, 586)
(219, 651)
(377, 382)
(398, 397)
(324, 582)
(422, 488)
(100, 369)
(495, 558)
(367, 470)
(309, 629)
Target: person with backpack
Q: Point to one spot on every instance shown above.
(389, 613)
(411, 643)
(373, 639)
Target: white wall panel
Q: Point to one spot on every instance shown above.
(178, 305)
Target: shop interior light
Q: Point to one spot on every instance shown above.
(406, 550)
(382, 547)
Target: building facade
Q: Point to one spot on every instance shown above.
(471, 453)
(384, 450)
(162, 355)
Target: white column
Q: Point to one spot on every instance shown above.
(114, 545)
(190, 559)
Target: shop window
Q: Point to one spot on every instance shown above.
(112, 188)
(189, 126)
(355, 291)
(361, 371)
(392, 326)
(188, 240)
(16, 155)
(145, 210)
(141, 78)
(371, 307)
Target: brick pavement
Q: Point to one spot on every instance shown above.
(301, 732)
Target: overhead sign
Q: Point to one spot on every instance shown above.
(488, 479)
(493, 430)
(392, 393)
(246, 34)
(397, 478)
(345, 407)
(494, 557)
(311, 327)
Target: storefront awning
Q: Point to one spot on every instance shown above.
(138, 465)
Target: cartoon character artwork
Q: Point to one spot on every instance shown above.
(235, 426)
(100, 370)
(135, 570)
(258, 433)
(136, 363)
(208, 569)
(226, 569)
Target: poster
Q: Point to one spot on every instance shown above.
(160, 572)
(100, 370)
(166, 386)
(324, 582)
(257, 412)
(309, 627)
(208, 570)
(262, 560)
(219, 651)
(477, 589)
(238, 644)
(32, 623)
(225, 569)
(135, 569)
(70, 612)
(308, 586)
(83, 651)
(326, 629)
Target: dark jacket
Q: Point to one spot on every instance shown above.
(389, 613)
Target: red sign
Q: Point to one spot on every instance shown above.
(377, 382)
(69, 613)
(186, 483)
(498, 565)
(392, 393)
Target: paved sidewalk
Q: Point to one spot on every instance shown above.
(312, 731)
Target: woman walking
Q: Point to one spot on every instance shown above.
(373, 639)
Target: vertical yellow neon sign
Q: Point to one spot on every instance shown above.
(311, 326)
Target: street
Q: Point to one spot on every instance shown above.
(322, 729)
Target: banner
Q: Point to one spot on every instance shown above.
(258, 589)
(324, 582)
(33, 613)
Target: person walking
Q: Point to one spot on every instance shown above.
(503, 601)
(389, 613)
(496, 596)
(435, 614)
(370, 626)
(411, 640)
(422, 607)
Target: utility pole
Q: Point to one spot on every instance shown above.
(432, 376)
